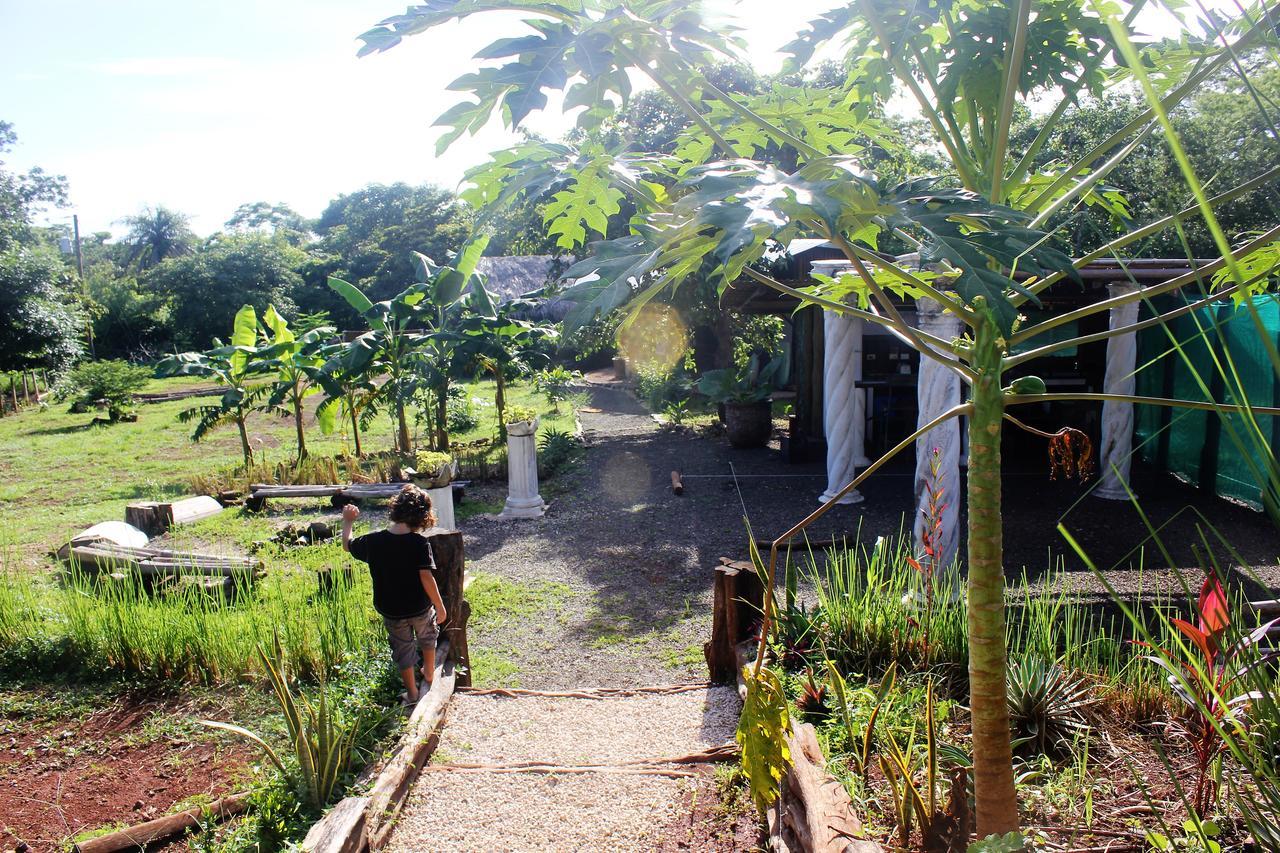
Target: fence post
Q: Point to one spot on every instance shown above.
(737, 605)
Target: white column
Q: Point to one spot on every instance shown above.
(442, 504)
(1117, 418)
(937, 390)
(844, 411)
(523, 500)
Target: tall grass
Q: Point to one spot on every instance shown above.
(184, 632)
(867, 612)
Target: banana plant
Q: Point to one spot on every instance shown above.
(984, 234)
(410, 345)
(231, 365)
(298, 364)
(504, 347)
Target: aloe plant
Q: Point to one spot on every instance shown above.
(983, 235)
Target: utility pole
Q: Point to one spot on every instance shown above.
(84, 287)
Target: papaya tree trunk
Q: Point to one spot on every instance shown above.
(997, 800)
(355, 424)
(442, 416)
(500, 402)
(244, 440)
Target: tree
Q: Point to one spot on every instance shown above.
(714, 207)
(156, 234)
(206, 289)
(504, 347)
(22, 195)
(40, 323)
(232, 365)
(297, 362)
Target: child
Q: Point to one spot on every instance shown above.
(404, 589)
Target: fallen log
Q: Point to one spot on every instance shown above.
(342, 830)
(677, 485)
(138, 837)
(813, 807)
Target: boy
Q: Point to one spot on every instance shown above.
(404, 588)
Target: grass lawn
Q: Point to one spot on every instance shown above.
(59, 473)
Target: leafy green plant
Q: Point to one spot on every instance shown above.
(323, 743)
(556, 384)
(557, 449)
(298, 363)
(112, 384)
(676, 411)
(521, 414)
(1046, 706)
(462, 415)
(752, 384)
(762, 733)
(232, 365)
(1198, 836)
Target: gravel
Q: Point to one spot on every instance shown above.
(484, 811)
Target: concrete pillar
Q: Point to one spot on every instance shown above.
(1117, 418)
(523, 500)
(442, 503)
(844, 412)
(937, 390)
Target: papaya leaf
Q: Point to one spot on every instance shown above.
(762, 734)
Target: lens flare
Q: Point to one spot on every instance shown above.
(655, 340)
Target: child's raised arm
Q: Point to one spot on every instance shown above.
(350, 513)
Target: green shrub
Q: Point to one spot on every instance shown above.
(556, 384)
(112, 384)
(557, 449)
(461, 414)
(516, 414)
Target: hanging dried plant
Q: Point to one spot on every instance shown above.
(1070, 454)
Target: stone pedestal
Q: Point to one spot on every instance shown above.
(938, 390)
(442, 504)
(844, 413)
(1116, 452)
(523, 500)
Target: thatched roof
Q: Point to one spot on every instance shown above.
(515, 275)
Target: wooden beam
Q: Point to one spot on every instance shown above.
(342, 830)
(138, 837)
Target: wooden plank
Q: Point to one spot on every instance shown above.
(263, 492)
(342, 830)
(138, 837)
(416, 746)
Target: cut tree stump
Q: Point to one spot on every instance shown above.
(446, 550)
(156, 517)
(739, 598)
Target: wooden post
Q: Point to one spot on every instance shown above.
(26, 389)
(738, 603)
(13, 390)
(446, 549)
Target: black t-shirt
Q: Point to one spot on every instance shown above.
(394, 562)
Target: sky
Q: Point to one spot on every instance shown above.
(202, 106)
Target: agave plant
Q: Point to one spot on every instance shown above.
(1046, 706)
(323, 741)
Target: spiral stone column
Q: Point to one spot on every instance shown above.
(1115, 454)
(844, 409)
(938, 389)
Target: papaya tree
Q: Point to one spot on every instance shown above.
(298, 362)
(232, 365)
(982, 239)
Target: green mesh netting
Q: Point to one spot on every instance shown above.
(1222, 353)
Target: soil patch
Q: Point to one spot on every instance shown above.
(116, 767)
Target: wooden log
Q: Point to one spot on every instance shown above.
(738, 599)
(342, 830)
(138, 837)
(677, 485)
(145, 516)
(816, 809)
(447, 551)
(419, 742)
(263, 492)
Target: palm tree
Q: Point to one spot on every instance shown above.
(155, 234)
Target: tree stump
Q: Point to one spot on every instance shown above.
(738, 602)
(447, 551)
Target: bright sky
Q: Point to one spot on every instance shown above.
(203, 106)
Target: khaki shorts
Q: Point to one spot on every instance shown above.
(409, 636)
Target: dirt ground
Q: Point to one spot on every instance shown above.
(78, 769)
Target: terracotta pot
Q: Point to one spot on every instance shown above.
(749, 424)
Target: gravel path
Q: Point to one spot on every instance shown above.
(485, 811)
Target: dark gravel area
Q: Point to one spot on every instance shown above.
(639, 559)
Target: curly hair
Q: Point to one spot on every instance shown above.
(412, 506)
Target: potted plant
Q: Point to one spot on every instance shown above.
(521, 420)
(432, 470)
(745, 394)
